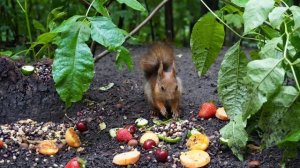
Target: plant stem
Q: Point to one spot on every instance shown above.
(230, 28)
(87, 12)
(285, 56)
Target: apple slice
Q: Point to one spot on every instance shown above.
(198, 142)
(72, 138)
(149, 135)
(194, 158)
(127, 158)
(47, 147)
(221, 114)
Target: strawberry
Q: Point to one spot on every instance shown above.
(207, 110)
(76, 163)
(123, 135)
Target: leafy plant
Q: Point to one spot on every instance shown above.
(73, 63)
(263, 89)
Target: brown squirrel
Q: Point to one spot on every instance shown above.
(162, 89)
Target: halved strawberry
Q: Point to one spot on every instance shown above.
(207, 110)
(123, 135)
(76, 163)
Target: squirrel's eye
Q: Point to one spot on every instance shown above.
(162, 88)
(176, 88)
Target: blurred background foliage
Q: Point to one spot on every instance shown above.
(14, 35)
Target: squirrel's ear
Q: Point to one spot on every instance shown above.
(161, 70)
(173, 71)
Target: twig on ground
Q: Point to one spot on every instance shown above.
(135, 30)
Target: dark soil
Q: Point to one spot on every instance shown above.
(34, 97)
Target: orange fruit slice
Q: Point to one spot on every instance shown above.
(47, 147)
(72, 138)
(194, 158)
(197, 142)
(126, 158)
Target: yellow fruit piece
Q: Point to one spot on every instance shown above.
(221, 114)
(47, 147)
(126, 158)
(149, 135)
(198, 142)
(194, 158)
(72, 138)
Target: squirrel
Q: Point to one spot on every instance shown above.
(162, 88)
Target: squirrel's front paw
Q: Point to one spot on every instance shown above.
(176, 114)
(164, 112)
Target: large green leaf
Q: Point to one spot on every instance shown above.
(231, 88)
(124, 57)
(276, 16)
(270, 49)
(256, 12)
(235, 135)
(67, 24)
(280, 116)
(240, 3)
(265, 77)
(206, 42)
(105, 32)
(235, 19)
(134, 4)
(73, 65)
(99, 6)
(296, 15)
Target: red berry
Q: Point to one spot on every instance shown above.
(82, 126)
(161, 155)
(149, 144)
(75, 163)
(131, 128)
(123, 135)
(207, 110)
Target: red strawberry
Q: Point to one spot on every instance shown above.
(207, 110)
(123, 135)
(76, 163)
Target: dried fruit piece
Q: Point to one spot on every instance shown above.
(47, 147)
(221, 114)
(82, 126)
(72, 138)
(1, 144)
(161, 155)
(194, 158)
(126, 158)
(149, 135)
(149, 144)
(198, 142)
(132, 142)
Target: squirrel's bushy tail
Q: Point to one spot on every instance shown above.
(158, 53)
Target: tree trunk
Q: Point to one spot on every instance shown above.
(169, 20)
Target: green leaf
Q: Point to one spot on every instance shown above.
(276, 16)
(124, 57)
(73, 65)
(296, 15)
(240, 3)
(6, 53)
(231, 86)
(235, 19)
(38, 26)
(54, 15)
(105, 32)
(67, 24)
(206, 42)
(270, 50)
(256, 12)
(280, 116)
(43, 39)
(265, 77)
(235, 135)
(98, 5)
(134, 4)
(292, 137)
